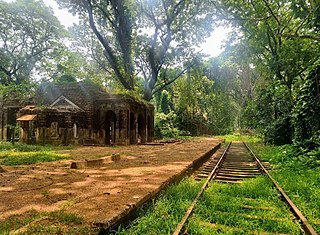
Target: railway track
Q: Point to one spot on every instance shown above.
(236, 163)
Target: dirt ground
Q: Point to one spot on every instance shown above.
(98, 194)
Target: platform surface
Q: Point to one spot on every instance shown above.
(99, 194)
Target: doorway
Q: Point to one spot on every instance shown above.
(110, 127)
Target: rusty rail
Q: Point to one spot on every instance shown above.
(204, 186)
(304, 222)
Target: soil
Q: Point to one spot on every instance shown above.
(100, 193)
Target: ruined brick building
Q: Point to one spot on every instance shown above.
(78, 113)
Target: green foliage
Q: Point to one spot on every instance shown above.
(281, 42)
(200, 108)
(306, 111)
(173, 29)
(270, 112)
(19, 91)
(164, 104)
(165, 125)
(28, 32)
(288, 156)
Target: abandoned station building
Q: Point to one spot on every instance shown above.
(78, 113)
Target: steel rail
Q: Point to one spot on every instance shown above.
(204, 186)
(304, 222)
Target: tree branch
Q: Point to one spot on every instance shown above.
(172, 80)
(304, 36)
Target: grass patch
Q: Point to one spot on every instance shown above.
(251, 207)
(11, 158)
(298, 175)
(163, 215)
(19, 154)
(56, 222)
(21, 147)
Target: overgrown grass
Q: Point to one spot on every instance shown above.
(19, 154)
(57, 222)
(251, 207)
(298, 175)
(163, 215)
(245, 138)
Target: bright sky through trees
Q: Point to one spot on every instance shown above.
(212, 46)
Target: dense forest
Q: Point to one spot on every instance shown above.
(265, 82)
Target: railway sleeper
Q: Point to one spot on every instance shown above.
(255, 170)
(237, 175)
(252, 172)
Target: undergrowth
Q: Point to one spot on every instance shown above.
(297, 171)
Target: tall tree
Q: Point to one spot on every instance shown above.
(174, 29)
(276, 35)
(112, 23)
(141, 37)
(28, 32)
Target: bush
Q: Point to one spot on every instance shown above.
(165, 125)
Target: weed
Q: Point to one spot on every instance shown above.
(45, 193)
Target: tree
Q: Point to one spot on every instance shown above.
(174, 28)
(28, 32)
(282, 40)
(112, 24)
(142, 37)
(306, 112)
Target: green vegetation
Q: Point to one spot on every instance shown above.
(163, 215)
(298, 174)
(56, 222)
(19, 154)
(243, 138)
(251, 207)
(21, 147)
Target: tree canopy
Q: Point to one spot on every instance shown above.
(28, 32)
